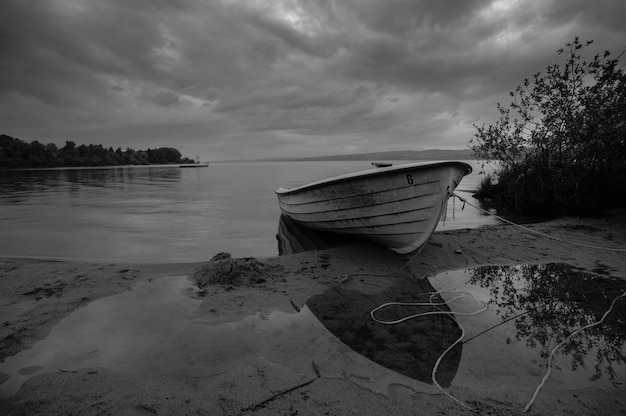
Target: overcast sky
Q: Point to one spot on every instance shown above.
(238, 79)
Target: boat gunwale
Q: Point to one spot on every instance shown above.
(366, 194)
(374, 172)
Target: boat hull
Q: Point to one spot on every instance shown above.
(398, 207)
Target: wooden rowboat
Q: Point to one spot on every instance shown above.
(397, 206)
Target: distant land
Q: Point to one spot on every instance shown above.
(431, 154)
(15, 153)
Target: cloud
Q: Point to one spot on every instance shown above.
(164, 99)
(239, 78)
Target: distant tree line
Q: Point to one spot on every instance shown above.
(16, 153)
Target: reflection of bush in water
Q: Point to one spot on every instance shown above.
(558, 299)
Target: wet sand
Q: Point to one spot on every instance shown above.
(36, 295)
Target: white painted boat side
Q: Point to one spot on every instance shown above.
(397, 206)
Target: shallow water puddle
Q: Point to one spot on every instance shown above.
(158, 331)
(511, 318)
(545, 304)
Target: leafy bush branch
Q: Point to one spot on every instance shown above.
(560, 145)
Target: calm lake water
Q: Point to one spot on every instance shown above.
(165, 213)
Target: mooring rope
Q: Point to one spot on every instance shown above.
(437, 312)
(465, 201)
(559, 345)
(460, 338)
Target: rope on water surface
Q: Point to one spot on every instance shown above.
(458, 340)
(559, 345)
(438, 312)
(465, 201)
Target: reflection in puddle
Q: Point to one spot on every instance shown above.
(411, 347)
(105, 333)
(294, 238)
(158, 331)
(532, 308)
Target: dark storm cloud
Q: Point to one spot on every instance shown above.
(321, 76)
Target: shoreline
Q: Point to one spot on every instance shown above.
(37, 294)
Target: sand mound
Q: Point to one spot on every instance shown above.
(225, 270)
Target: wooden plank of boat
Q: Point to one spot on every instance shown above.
(397, 206)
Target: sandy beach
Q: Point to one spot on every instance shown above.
(38, 296)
